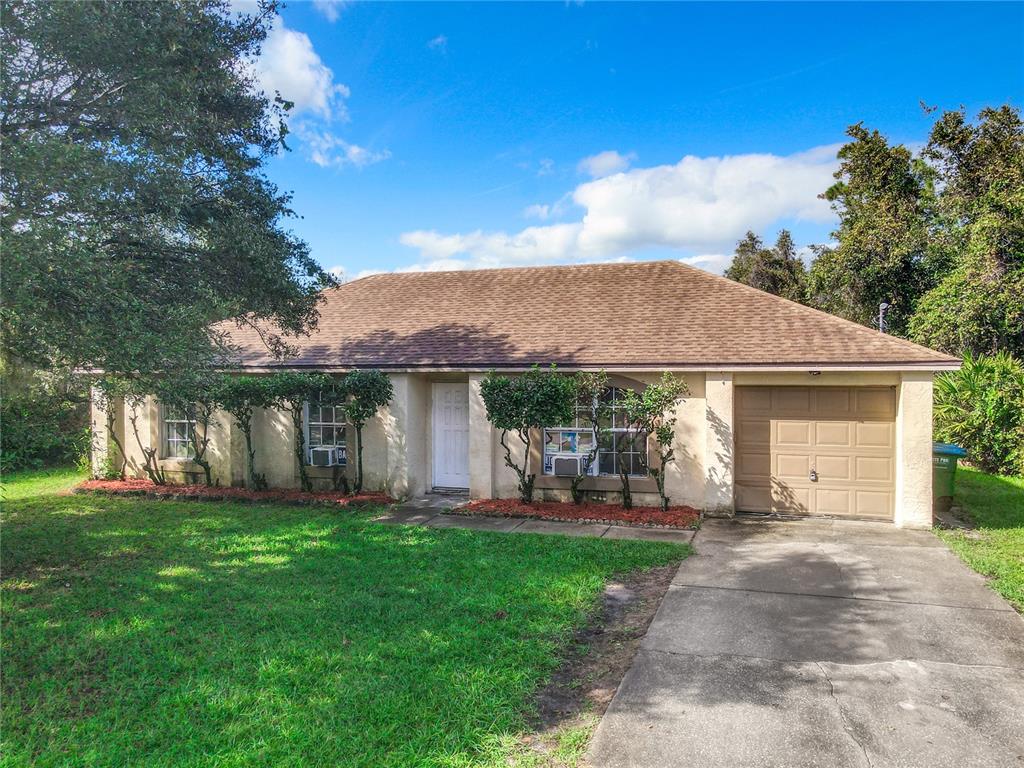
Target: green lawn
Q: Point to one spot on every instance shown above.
(163, 633)
(996, 548)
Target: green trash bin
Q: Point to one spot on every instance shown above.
(944, 458)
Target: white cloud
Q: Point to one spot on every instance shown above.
(329, 9)
(605, 163)
(289, 65)
(439, 44)
(538, 211)
(700, 204)
(546, 166)
(328, 150)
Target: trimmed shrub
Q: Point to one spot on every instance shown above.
(981, 408)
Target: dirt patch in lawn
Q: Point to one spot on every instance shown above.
(615, 514)
(573, 702)
(136, 487)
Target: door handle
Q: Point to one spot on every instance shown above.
(814, 476)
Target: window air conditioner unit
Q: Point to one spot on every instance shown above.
(323, 457)
(568, 466)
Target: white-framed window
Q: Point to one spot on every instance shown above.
(178, 427)
(325, 428)
(577, 440)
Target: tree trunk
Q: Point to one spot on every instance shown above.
(256, 481)
(300, 448)
(112, 434)
(359, 459)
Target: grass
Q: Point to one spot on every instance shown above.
(996, 548)
(150, 633)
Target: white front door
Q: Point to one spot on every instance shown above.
(451, 435)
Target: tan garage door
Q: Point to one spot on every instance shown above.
(816, 450)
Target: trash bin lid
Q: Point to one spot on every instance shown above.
(948, 449)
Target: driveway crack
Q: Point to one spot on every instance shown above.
(847, 726)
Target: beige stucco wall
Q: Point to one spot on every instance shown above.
(914, 451)
(397, 442)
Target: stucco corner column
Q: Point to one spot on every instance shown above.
(719, 451)
(914, 451)
(481, 443)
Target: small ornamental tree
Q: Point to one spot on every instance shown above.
(536, 399)
(592, 409)
(108, 390)
(135, 393)
(290, 392)
(364, 392)
(652, 412)
(241, 396)
(197, 396)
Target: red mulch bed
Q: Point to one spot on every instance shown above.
(647, 517)
(136, 487)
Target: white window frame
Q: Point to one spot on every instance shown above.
(166, 441)
(309, 426)
(595, 467)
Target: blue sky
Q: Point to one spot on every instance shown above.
(431, 136)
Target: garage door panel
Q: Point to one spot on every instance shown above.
(753, 432)
(833, 433)
(791, 399)
(754, 400)
(789, 499)
(873, 504)
(833, 401)
(789, 466)
(873, 469)
(754, 498)
(845, 434)
(754, 465)
(793, 433)
(832, 468)
(873, 434)
(833, 501)
(879, 403)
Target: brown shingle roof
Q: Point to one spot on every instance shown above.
(657, 314)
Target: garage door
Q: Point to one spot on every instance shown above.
(816, 450)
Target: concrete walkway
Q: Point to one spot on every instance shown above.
(820, 643)
(431, 513)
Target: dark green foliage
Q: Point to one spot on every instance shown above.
(776, 270)
(42, 423)
(536, 399)
(241, 396)
(652, 412)
(977, 305)
(882, 235)
(364, 392)
(981, 408)
(134, 209)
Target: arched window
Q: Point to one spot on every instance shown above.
(576, 441)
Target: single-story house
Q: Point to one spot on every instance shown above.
(790, 410)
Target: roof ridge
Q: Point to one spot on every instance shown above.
(819, 312)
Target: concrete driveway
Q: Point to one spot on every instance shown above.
(820, 643)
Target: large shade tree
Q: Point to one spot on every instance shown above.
(882, 235)
(776, 270)
(977, 303)
(133, 205)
